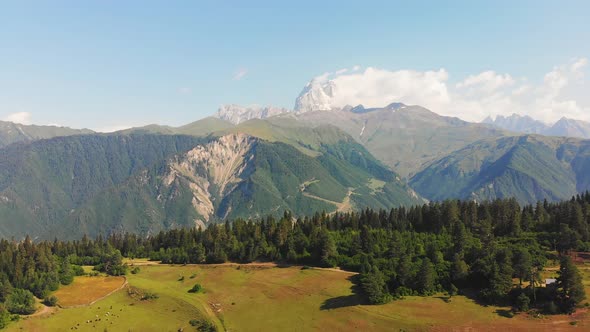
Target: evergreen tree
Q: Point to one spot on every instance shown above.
(570, 290)
(375, 287)
(426, 277)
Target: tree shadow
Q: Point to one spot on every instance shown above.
(356, 298)
(505, 313)
(446, 299)
(473, 295)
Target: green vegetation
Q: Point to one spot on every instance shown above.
(44, 184)
(509, 167)
(95, 184)
(203, 325)
(196, 288)
(50, 301)
(14, 132)
(406, 139)
(326, 299)
(20, 301)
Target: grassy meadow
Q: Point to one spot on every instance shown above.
(268, 298)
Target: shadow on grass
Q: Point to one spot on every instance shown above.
(473, 295)
(446, 299)
(356, 298)
(505, 313)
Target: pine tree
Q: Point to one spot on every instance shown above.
(375, 286)
(426, 277)
(570, 290)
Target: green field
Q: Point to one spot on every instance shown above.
(266, 298)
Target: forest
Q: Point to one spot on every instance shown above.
(457, 247)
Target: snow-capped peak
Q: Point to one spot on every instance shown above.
(317, 95)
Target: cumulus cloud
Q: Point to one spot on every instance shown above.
(375, 87)
(19, 117)
(488, 81)
(560, 92)
(240, 73)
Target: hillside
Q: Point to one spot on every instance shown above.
(529, 168)
(238, 175)
(43, 183)
(406, 138)
(94, 184)
(14, 132)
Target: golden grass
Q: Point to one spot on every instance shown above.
(267, 298)
(85, 290)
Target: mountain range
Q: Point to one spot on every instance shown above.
(246, 162)
(525, 124)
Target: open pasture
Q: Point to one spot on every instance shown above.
(267, 298)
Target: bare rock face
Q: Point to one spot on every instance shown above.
(211, 171)
(237, 114)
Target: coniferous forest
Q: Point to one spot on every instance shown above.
(457, 247)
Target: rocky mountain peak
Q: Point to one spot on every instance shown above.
(237, 114)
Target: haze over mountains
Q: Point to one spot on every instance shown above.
(255, 161)
(526, 124)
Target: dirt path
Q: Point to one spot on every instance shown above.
(343, 206)
(45, 310)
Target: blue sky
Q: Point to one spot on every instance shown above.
(105, 64)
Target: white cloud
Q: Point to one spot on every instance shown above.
(488, 81)
(185, 90)
(375, 87)
(561, 92)
(19, 117)
(240, 73)
(112, 128)
(341, 71)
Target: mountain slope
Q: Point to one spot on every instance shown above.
(570, 128)
(406, 138)
(42, 183)
(15, 132)
(238, 175)
(201, 127)
(93, 184)
(529, 168)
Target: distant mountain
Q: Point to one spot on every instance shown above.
(15, 132)
(525, 124)
(570, 128)
(317, 95)
(237, 114)
(406, 138)
(201, 127)
(143, 183)
(529, 168)
(518, 123)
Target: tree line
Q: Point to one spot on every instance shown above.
(452, 246)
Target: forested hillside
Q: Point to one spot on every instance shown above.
(528, 168)
(43, 183)
(145, 183)
(15, 132)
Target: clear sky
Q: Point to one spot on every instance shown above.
(106, 64)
